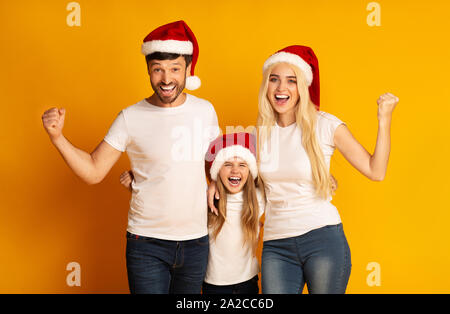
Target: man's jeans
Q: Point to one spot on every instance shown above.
(163, 266)
(321, 258)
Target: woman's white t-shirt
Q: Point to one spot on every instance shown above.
(292, 205)
(230, 260)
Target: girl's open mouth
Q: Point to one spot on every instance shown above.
(234, 181)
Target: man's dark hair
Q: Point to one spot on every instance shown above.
(167, 56)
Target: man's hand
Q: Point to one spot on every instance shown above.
(334, 184)
(53, 120)
(212, 193)
(91, 168)
(126, 178)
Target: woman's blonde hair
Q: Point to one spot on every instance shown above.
(249, 216)
(306, 119)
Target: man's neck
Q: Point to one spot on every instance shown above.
(154, 100)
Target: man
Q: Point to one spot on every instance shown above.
(165, 136)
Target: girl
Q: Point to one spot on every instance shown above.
(234, 230)
(304, 241)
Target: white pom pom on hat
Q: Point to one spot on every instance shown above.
(193, 82)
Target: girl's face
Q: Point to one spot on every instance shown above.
(282, 90)
(234, 174)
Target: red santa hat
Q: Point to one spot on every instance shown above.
(225, 147)
(178, 38)
(305, 59)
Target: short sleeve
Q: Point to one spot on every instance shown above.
(117, 135)
(326, 126)
(261, 202)
(214, 130)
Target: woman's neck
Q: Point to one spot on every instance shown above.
(286, 119)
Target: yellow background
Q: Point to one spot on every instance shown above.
(50, 218)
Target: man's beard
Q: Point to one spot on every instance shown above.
(167, 100)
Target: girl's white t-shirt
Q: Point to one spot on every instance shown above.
(292, 205)
(230, 260)
(166, 148)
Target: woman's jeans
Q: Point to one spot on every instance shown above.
(319, 258)
(163, 266)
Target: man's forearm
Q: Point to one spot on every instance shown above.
(78, 160)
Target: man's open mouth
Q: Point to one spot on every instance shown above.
(167, 90)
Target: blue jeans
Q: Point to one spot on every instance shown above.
(163, 266)
(247, 287)
(320, 258)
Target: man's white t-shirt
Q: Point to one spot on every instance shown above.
(292, 205)
(166, 148)
(230, 260)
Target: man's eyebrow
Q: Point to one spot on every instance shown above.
(157, 63)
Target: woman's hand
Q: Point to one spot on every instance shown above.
(126, 178)
(212, 193)
(386, 105)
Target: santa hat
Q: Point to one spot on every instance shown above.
(178, 38)
(225, 147)
(304, 58)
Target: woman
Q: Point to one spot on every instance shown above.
(304, 241)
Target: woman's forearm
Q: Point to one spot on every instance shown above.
(372, 166)
(380, 158)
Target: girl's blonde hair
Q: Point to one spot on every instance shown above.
(306, 119)
(249, 216)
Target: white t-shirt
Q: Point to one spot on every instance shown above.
(231, 261)
(292, 205)
(166, 148)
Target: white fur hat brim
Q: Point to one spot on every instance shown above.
(291, 59)
(230, 152)
(169, 46)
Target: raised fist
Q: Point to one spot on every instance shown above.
(53, 120)
(386, 105)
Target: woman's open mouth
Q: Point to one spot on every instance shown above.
(281, 99)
